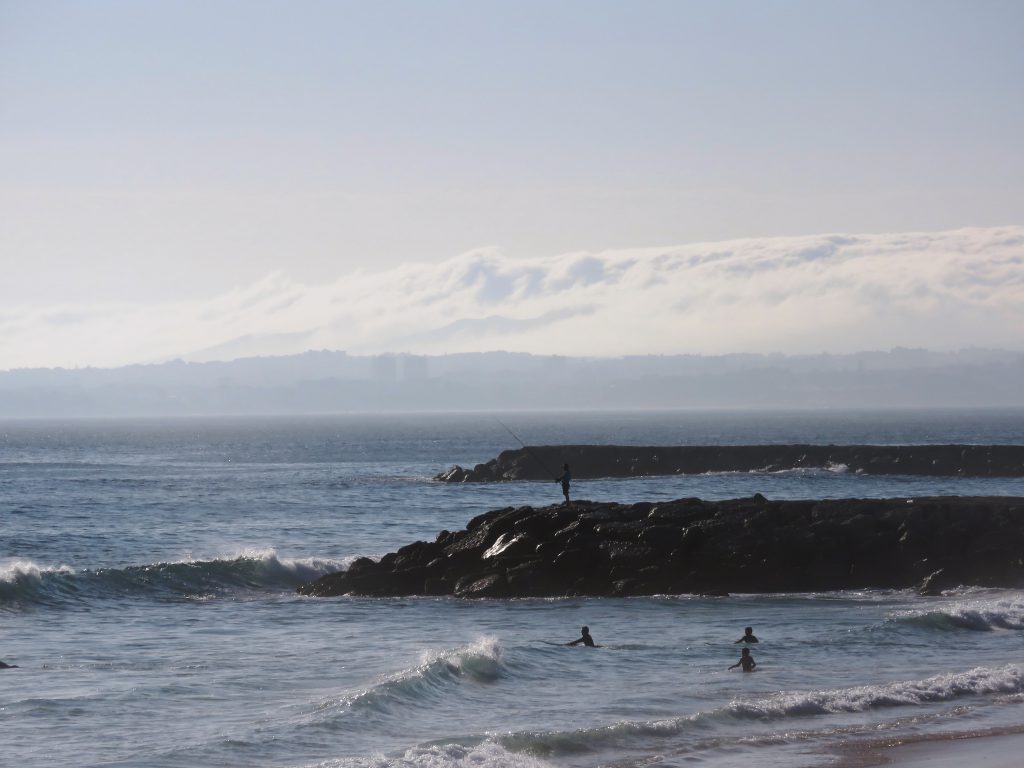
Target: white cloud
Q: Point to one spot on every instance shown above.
(836, 293)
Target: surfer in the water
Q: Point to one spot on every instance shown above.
(746, 661)
(564, 480)
(585, 639)
(748, 636)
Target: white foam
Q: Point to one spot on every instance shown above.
(306, 567)
(13, 571)
(485, 649)
(1002, 682)
(973, 613)
(977, 681)
(484, 755)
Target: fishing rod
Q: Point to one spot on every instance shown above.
(528, 451)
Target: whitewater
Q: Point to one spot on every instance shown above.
(147, 594)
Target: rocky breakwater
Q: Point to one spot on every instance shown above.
(589, 461)
(695, 546)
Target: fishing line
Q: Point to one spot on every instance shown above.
(528, 451)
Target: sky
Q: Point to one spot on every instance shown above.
(807, 294)
(159, 159)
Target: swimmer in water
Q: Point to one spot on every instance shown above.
(746, 661)
(748, 636)
(585, 639)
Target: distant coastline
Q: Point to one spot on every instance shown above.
(329, 381)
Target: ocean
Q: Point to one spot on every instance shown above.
(147, 594)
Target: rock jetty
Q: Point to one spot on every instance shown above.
(590, 461)
(706, 547)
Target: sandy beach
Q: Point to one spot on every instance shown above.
(989, 749)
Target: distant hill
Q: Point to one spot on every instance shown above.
(336, 382)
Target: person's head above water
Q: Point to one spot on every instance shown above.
(748, 636)
(745, 652)
(585, 630)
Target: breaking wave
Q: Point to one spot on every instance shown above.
(530, 749)
(976, 615)
(779, 706)
(484, 755)
(430, 680)
(24, 584)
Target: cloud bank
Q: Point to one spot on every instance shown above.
(827, 293)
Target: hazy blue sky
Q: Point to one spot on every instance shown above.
(170, 151)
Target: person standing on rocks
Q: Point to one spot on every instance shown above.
(564, 480)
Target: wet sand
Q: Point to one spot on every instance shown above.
(999, 749)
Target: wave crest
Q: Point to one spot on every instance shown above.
(946, 687)
(24, 584)
(780, 706)
(976, 615)
(431, 679)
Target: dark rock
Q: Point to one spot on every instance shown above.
(534, 578)
(931, 585)
(363, 562)
(491, 585)
(444, 537)
(626, 588)
(454, 475)
(632, 555)
(693, 546)
(572, 529)
(661, 538)
(575, 560)
(433, 585)
(511, 546)
(589, 461)
(627, 531)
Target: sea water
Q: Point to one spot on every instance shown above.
(147, 593)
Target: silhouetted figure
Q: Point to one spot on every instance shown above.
(748, 636)
(746, 661)
(5, 665)
(585, 638)
(564, 480)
